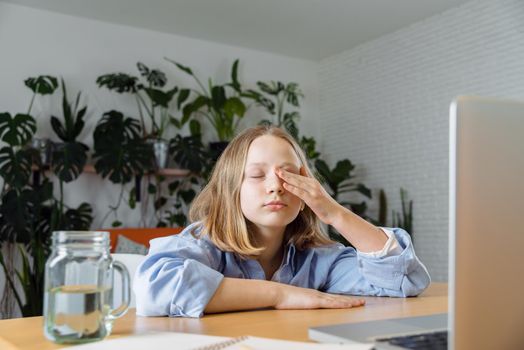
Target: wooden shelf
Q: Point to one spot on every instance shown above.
(165, 172)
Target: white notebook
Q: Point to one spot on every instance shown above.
(187, 341)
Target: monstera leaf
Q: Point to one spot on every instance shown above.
(16, 131)
(22, 213)
(338, 180)
(154, 77)
(15, 167)
(77, 219)
(120, 82)
(188, 152)
(119, 150)
(43, 85)
(69, 159)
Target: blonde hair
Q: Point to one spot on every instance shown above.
(218, 205)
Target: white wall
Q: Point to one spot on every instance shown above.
(385, 105)
(35, 42)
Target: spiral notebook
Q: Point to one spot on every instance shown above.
(186, 341)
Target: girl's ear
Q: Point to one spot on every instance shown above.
(302, 205)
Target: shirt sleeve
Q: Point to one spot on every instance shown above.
(398, 275)
(178, 277)
(390, 248)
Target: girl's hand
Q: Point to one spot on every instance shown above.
(291, 297)
(312, 193)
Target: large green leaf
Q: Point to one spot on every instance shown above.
(259, 100)
(17, 131)
(188, 152)
(271, 88)
(182, 97)
(154, 77)
(234, 76)
(194, 106)
(218, 97)
(181, 67)
(43, 85)
(78, 219)
(159, 97)
(120, 153)
(234, 106)
(290, 123)
(24, 213)
(69, 159)
(15, 167)
(120, 82)
(293, 94)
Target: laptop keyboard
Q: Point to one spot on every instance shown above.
(430, 341)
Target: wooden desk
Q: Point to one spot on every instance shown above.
(27, 333)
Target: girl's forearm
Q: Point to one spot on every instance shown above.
(234, 294)
(364, 236)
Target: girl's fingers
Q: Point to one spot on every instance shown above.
(297, 191)
(295, 179)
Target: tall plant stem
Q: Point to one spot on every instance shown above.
(10, 281)
(141, 115)
(31, 103)
(280, 102)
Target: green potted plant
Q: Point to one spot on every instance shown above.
(220, 105)
(120, 153)
(153, 99)
(28, 211)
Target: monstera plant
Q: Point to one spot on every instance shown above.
(120, 152)
(29, 212)
(152, 96)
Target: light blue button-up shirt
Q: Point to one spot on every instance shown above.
(181, 273)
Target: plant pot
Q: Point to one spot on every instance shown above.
(160, 149)
(216, 149)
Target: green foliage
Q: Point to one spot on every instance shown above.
(274, 96)
(221, 105)
(119, 82)
(17, 130)
(151, 96)
(404, 220)
(69, 157)
(42, 85)
(120, 152)
(15, 166)
(189, 152)
(339, 181)
(73, 118)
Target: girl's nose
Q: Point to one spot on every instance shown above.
(274, 184)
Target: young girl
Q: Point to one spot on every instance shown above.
(257, 242)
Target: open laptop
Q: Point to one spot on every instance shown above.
(486, 239)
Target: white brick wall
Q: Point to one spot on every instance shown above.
(385, 105)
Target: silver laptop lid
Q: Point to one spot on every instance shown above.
(486, 224)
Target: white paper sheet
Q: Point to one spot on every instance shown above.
(187, 341)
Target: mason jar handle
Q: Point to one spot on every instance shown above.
(126, 290)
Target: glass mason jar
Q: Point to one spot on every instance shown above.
(79, 287)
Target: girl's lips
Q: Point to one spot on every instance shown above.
(274, 205)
